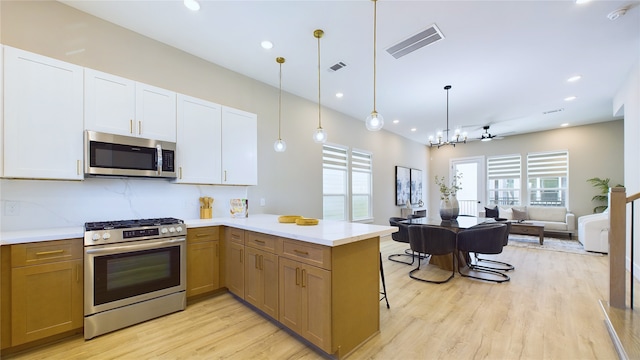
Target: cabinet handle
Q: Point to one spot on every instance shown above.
(241, 255)
(304, 274)
(259, 241)
(201, 235)
(297, 276)
(139, 127)
(180, 172)
(261, 262)
(130, 126)
(49, 252)
(78, 166)
(225, 175)
(77, 273)
(300, 252)
(257, 260)
(217, 253)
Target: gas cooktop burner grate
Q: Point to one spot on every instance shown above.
(127, 224)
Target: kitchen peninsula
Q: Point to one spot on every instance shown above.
(321, 282)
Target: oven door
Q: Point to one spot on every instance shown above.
(121, 274)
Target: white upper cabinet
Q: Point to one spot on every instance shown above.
(198, 150)
(1, 108)
(239, 147)
(121, 106)
(43, 125)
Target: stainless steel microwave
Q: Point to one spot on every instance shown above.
(118, 155)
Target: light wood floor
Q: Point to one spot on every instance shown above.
(549, 310)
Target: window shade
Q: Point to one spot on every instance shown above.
(504, 167)
(551, 164)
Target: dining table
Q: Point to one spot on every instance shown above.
(456, 225)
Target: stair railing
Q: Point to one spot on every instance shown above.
(618, 201)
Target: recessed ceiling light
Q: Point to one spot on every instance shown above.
(395, 121)
(192, 5)
(564, 125)
(574, 78)
(266, 44)
(414, 129)
(570, 98)
(582, 1)
(339, 95)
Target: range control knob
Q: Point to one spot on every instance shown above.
(95, 237)
(106, 236)
(179, 229)
(172, 229)
(164, 230)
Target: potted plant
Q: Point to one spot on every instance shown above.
(603, 197)
(449, 208)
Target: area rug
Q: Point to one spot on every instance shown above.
(552, 244)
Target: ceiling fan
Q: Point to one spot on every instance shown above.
(486, 136)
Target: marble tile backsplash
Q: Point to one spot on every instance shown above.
(41, 204)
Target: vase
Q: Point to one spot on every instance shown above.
(449, 208)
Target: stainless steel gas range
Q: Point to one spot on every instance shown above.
(135, 270)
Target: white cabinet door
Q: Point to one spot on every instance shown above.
(109, 103)
(198, 149)
(155, 113)
(116, 105)
(239, 147)
(1, 108)
(42, 117)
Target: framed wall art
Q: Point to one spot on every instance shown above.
(403, 185)
(415, 189)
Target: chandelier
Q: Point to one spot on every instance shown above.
(457, 138)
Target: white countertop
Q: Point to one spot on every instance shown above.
(327, 232)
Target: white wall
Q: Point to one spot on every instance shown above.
(290, 182)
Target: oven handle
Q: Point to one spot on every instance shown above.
(145, 246)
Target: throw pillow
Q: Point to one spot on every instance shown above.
(506, 213)
(491, 213)
(519, 215)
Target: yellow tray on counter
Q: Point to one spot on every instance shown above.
(288, 219)
(306, 221)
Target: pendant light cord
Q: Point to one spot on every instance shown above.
(375, 26)
(280, 102)
(319, 107)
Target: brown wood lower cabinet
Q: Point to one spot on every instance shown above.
(234, 261)
(46, 289)
(305, 301)
(203, 260)
(261, 280)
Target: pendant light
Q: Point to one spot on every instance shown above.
(319, 136)
(374, 121)
(280, 145)
(458, 137)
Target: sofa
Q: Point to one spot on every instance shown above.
(555, 219)
(593, 232)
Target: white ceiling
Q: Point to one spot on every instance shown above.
(507, 61)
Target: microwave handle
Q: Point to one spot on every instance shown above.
(159, 163)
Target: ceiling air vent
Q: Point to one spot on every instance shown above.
(415, 42)
(337, 66)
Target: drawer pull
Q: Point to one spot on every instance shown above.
(300, 252)
(49, 252)
(259, 241)
(201, 235)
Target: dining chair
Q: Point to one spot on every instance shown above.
(432, 240)
(502, 266)
(402, 235)
(486, 239)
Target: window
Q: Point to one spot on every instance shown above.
(360, 185)
(547, 178)
(503, 180)
(334, 182)
(344, 194)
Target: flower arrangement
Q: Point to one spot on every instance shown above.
(446, 191)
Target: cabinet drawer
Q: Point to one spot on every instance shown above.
(313, 254)
(261, 241)
(45, 252)
(210, 233)
(235, 235)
